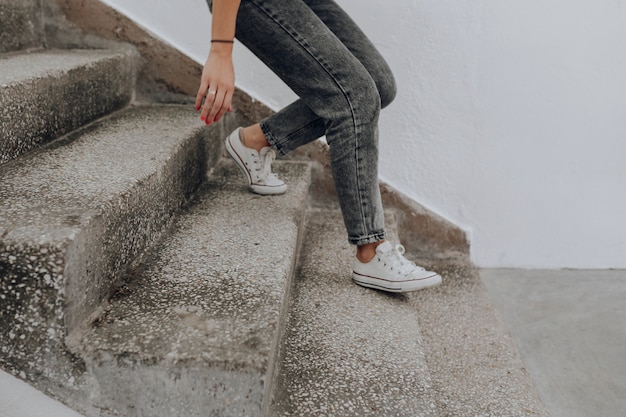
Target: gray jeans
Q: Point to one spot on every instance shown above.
(342, 82)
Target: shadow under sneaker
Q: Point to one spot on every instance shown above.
(390, 271)
(256, 166)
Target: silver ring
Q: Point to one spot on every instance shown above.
(211, 92)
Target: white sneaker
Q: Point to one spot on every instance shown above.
(256, 166)
(390, 271)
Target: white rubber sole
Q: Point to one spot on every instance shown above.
(396, 286)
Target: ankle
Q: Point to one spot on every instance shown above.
(252, 137)
(366, 252)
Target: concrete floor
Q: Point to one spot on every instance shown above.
(570, 327)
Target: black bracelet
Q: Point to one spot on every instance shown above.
(222, 41)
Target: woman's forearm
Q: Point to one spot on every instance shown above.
(224, 19)
(217, 84)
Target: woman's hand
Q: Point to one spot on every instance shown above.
(217, 84)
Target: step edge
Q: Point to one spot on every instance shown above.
(274, 364)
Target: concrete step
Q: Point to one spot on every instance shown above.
(21, 25)
(48, 93)
(348, 351)
(476, 368)
(75, 214)
(195, 330)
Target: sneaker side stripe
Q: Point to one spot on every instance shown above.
(388, 280)
(238, 160)
(379, 287)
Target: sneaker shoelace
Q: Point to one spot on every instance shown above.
(264, 172)
(397, 262)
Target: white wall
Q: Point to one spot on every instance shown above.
(510, 121)
(18, 399)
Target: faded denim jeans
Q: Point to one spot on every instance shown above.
(342, 82)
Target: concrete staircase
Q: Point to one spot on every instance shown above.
(139, 276)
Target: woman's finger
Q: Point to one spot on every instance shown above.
(200, 95)
(226, 105)
(218, 103)
(209, 102)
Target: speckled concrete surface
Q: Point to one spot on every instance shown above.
(195, 332)
(48, 93)
(475, 366)
(75, 214)
(21, 25)
(349, 351)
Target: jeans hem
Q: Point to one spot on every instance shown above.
(364, 240)
(272, 141)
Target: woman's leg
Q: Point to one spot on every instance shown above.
(341, 93)
(297, 124)
(338, 97)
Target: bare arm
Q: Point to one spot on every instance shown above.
(218, 76)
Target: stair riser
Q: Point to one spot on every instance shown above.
(32, 311)
(60, 285)
(186, 389)
(45, 108)
(21, 25)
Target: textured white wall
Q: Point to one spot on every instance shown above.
(510, 120)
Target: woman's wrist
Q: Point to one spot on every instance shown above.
(221, 48)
